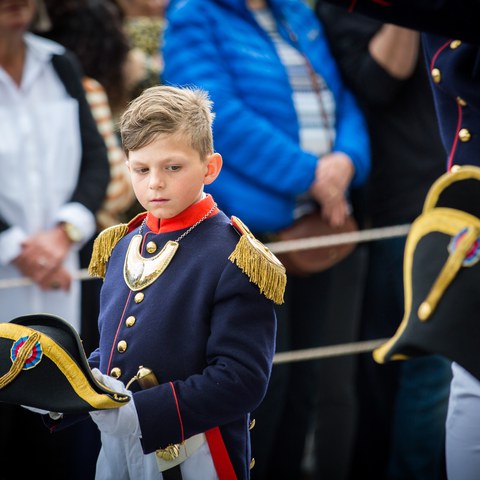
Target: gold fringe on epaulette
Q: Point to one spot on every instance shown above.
(261, 267)
(102, 249)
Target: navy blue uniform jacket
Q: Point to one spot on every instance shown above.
(203, 328)
(451, 38)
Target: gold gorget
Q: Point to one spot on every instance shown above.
(140, 272)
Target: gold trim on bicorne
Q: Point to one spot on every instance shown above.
(67, 366)
(457, 173)
(443, 220)
(140, 272)
(448, 272)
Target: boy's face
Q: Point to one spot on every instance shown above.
(168, 175)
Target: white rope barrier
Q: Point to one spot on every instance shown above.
(339, 239)
(285, 246)
(328, 351)
(24, 281)
(275, 247)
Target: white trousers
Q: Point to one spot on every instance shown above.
(463, 426)
(122, 458)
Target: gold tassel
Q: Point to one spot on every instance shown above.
(260, 265)
(102, 248)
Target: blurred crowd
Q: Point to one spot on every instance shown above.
(315, 108)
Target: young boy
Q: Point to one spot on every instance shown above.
(187, 323)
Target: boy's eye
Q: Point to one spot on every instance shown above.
(141, 171)
(173, 168)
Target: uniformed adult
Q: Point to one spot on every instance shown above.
(451, 40)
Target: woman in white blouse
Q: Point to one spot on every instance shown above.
(54, 176)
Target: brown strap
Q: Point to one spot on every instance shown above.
(314, 80)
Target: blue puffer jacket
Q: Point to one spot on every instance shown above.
(217, 45)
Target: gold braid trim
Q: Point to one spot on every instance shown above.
(260, 265)
(448, 273)
(102, 248)
(449, 222)
(19, 362)
(63, 361)
(458, 173)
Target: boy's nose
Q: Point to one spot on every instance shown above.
(156, 181)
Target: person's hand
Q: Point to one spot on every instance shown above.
(333, 175)
(42, 257)
(121, 421)
(336, 211)
(59, 279)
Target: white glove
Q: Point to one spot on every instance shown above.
(52, 415)
(35, 410)
(121, 421)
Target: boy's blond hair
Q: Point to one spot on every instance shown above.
(166, 110)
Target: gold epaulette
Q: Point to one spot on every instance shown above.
(260, 265)
(102, 248)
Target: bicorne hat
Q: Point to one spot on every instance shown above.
(43, 365)
(441, 273)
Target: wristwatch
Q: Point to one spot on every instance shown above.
(73, 233)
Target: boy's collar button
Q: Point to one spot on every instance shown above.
(151, 247)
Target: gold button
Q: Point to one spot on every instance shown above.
(151, 247)
(455, 168)
(252, 463)
(130, 321)
(464, 135)
(436, 75)
(115, 372)
(455, 44)
(252, 424)
(139, 297)
(461, 102)
(122, 346)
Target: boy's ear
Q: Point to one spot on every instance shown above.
(214, 165)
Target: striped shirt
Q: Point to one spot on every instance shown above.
(315, 109)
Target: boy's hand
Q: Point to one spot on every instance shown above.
(121, 421)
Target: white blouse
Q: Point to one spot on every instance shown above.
(40, 156)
